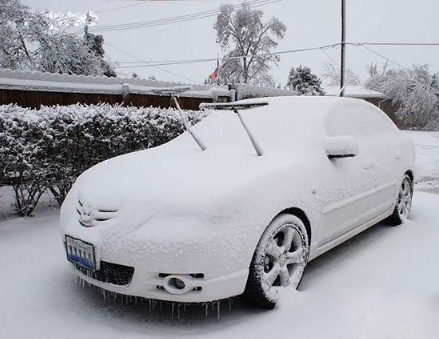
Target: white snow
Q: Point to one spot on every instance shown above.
(427, 160)
(381, 284)
(39, 81)
(245, 91)
(353, 92)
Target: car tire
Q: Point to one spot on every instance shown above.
(279, 260)
(403, 203)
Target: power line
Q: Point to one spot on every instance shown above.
(381, 56)
(143, 2)
(330, 57)
(121, 7)
(193, 61)
(395, 43)
(159, 68)
(323, 48)
(211, 11)
(177, 19)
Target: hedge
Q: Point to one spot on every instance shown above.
(47, 149)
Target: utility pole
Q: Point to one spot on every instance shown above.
(343, 47)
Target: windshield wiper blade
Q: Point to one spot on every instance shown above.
(255, 144)
(187, 127)
(236, 107)
(172, 91)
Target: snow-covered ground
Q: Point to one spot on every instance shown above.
(383, 283)
(427, 160)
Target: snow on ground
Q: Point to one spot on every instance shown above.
(427, 160)
(380, 284)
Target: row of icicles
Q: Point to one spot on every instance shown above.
(153, 304)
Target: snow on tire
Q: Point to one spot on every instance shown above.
(403, 204)
(279, 260)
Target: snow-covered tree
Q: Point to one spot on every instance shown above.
(66, 54)
(304, 82)
(331, 73)
(32, 40)
(96, 45)
(243, 34)
(412, 91)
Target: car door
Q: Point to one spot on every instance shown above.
(360, 188)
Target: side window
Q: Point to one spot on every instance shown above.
(357, 121)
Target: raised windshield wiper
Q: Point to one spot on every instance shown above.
(236, 108)
(173, 92)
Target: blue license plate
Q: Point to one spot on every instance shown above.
(81, 253)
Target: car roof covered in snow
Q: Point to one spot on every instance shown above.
(276, 122)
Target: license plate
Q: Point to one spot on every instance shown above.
(81, 253)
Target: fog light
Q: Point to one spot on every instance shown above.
(177, 283)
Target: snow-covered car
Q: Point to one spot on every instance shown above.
(272, 184)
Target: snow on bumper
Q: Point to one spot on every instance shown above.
(210, 261)
(150, 285)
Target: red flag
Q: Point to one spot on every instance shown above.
(215, 74)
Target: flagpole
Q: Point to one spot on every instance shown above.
(218, 68)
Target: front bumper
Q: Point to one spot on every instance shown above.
(150, 285)
(213, 262)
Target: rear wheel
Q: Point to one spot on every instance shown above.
(403, 202)
(279, 260)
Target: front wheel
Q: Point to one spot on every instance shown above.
(279, 260)
(403, 202)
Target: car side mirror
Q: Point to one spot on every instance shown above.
(341, 147)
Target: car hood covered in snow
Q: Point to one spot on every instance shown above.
(166, 180)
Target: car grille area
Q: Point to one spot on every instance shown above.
(110, 273)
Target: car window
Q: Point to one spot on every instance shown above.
(357, 121)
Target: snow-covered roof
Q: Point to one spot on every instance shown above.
(354, 92)
(50, 82)
(244, 91)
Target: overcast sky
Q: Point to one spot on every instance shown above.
(310, 23)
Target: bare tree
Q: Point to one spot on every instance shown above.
(373, 70)
(241, 32)
(332, 74)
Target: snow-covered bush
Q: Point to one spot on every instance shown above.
(413, 92)
(48, 149)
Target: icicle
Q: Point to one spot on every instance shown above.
(207, 308)
(230, 304)
(178, 311)
(218, 305)
(172, 311)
